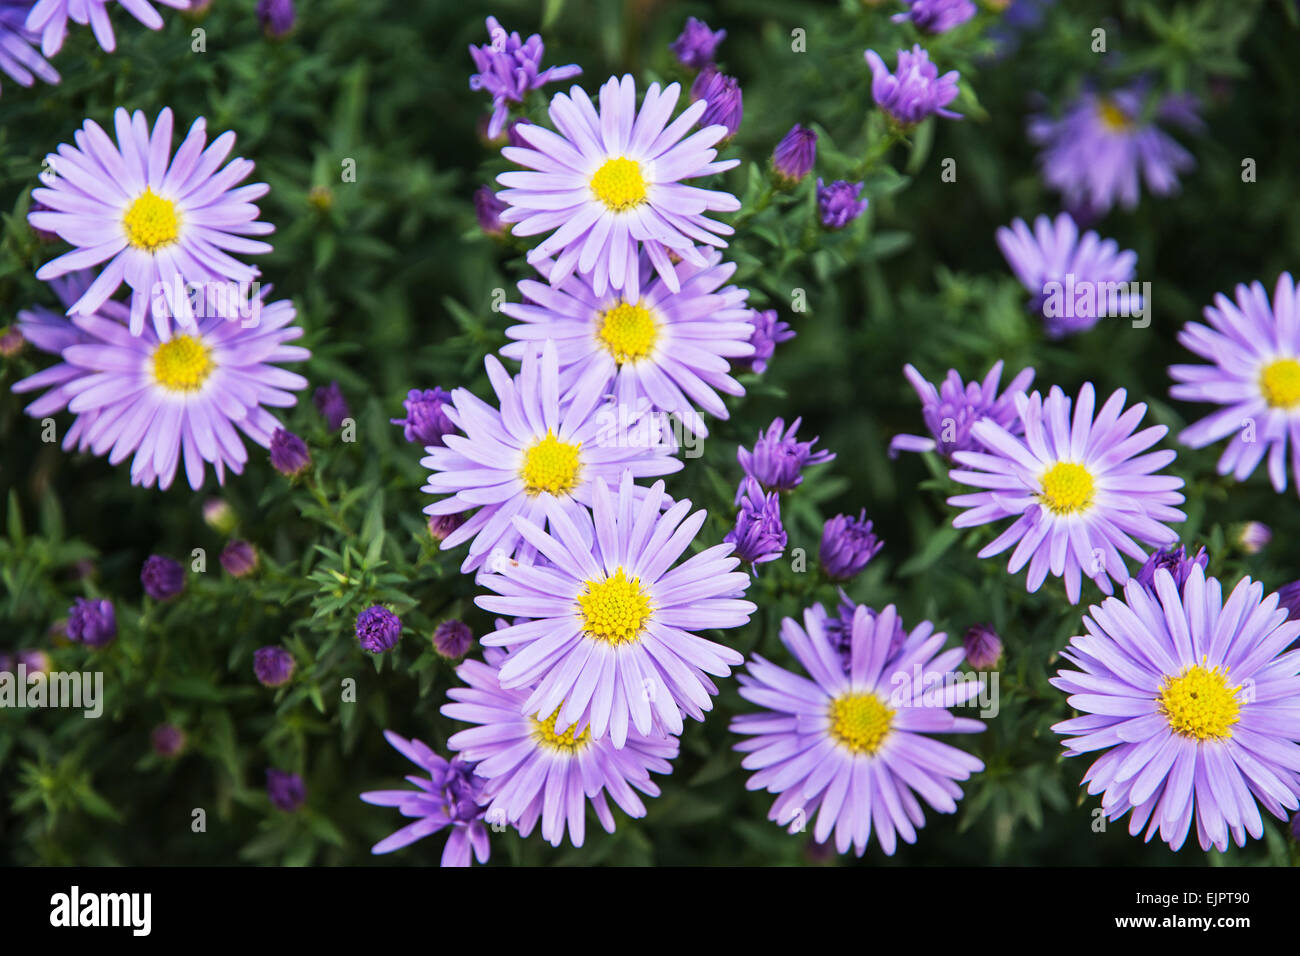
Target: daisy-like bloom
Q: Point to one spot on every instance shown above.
(849, 743)
(156, 221)
(536, 771)
(669, 348)
(951, 409)
(1254, 351)
(1075, 280)
(778, 459)
(50, 19)
(936, 16)
(176, 398)
(531, 451)
(1095, 154)
(847, 546)
(1080, 492)
(605, 638)
(1192, 698)
(915, 90)
(509, 68)
(769, 332)
(18, 57)
(610, 183)
(450, 796)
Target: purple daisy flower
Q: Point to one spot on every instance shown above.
(1080, 493)
(1176, 562)
(610, 184)
(1096, 152)
(758, 536)
(1192, 698)
(850, 744)
(156, 221)
(509, 68)
(1254, 351)
(605, 640)
(1075, 280)
(50, 19)
(915, 90)
(450, 796)
(176, 398)
(778, 459)
(378, 629)
(847, 546)
(534, 771)
(951, 409)
(18, 57)
(936, 16)
(668, 348)
(795, 155)
(769, 332)
(696, 46)
(725, 100)
(838, 204)
(426, 418)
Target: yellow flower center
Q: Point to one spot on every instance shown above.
(151, 222)
(860, 722)
(628, 332)
(551, 465)
(619, 184)
(1199, 703)
(1067, 488)
(1280, 383)
(614, 610)
(1112, 117)
(183, 364)
(544, 733)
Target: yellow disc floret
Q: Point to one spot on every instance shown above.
(619, 184)
(614, 610)
(1280, 383)
(860, 722)
(151, 222)
(1067, 488)
(182, 364)
(1113, 117)
(1200, 703)
(551, 465)
(568, 742)
(628, 332)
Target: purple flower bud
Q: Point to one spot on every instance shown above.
(847, 545)
(453, 638)
(936, 16)
(91, 622)
(239, 558)
(285, 789)
(839, 628)
(289, 455)
(983, 647)
(725, 102)
(778, 457)
(794, 156)
(512, 134)
(1254, 537)
(218, 515)
(1176, 563)
(697, 44)
(1295, 826)
(426, 418)
(11, 341)
(440, 526)
(759, 535)
(275, 16)
(36, 662)
(489, 208)
(329, 401)
(273, 665)
(915, 90)
(162, 578)
(378, 629)
(168, 740)
(768, 332)
(838, 204)
(508, 68)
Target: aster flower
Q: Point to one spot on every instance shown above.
(533, 771)
(378, 629)
(1254, 536)
(795, 155)
(509, 68)
(610, 183)
(453, 638)
(915, 90)
(983, 647)
(725, 100)
(1079, 492)
(1254, 351)
(668, 348)
(92, 622)
(838, 204)
(936, 16)
(426, 418)
(1095, 154)
(1176, 561)
(178, 398)
(289, 454)
(50, 19)
(1075, 280)
(18, 57)
(850, 744)
(162, 578)
(769, 332)
(1192, 698)
(758, 535)
(286, 790)
(951, 409)
(239, 558)
(696, 46)
(605, 642)
(839, 627)
(778, 459)
(155, 221)
(273, 665)
(450, 796)
(847, 546)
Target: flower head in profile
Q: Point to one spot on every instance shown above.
(19, 59)
(768, 332)
(951, 409)
(92, 622)
(758, 536)
(609, 184)
(838, 204)
(850, 744)
(848, 544)
(779, 458)
(936, 16)
(671, 350)
(915, 90)
(1189, 696)
(50, 19)
(426, 418)
(1080, 491)
(696, 46)
(509, 68)
(604, 637)
(534, 770)
(1253, 350)
(154, 220)
(531, 452)
(449, 798)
